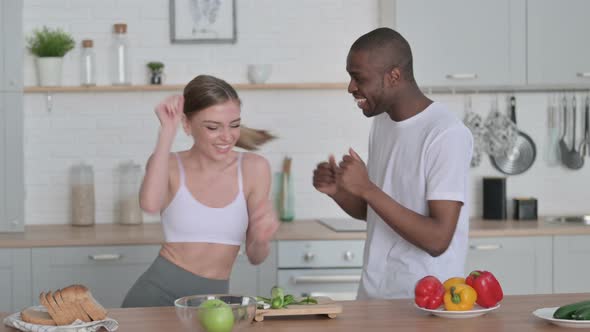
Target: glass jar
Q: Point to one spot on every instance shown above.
(120, 71)
(87, 64)
(82, 191)
(284, 196)
(130, 181)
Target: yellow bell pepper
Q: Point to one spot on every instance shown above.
(460, 297)
(452, 282)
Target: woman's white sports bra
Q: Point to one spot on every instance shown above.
(188, 220)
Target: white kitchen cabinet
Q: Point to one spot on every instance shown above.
(2, 47)
(15, 279)
(570, 264)
(253, 280)
(267, 271)
(557, 41)
(108, 271)
(11, 117)
(463, 42)
(522, 265)
(244, 277)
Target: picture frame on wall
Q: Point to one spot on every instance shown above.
(202, 21)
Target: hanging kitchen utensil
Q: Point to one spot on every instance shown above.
(570, 157)
(563, 148)
(499, 132)
(585, 145)
(522, 156)
(552, 156)
(474, 123)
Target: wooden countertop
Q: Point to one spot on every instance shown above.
(151, 233)
(514, 314)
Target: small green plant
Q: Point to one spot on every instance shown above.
(155, 66)
(50, 43)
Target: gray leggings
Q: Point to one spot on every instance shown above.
(164, 282)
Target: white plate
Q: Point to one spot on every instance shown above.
(15, 321)
(475, 312)
(547, 314)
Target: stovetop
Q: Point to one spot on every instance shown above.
(344, 224)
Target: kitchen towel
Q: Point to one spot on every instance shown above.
(15, 321)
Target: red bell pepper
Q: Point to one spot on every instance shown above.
(489, 291)
(429, 292)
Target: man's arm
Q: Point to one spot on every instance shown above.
(432, 233)
(354, 206)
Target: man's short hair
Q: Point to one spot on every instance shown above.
(387, 48)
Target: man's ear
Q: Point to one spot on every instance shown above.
(393, 77)
(186, 124)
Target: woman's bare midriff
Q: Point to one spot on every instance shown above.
(208, 260)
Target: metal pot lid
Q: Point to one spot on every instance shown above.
(518, 159)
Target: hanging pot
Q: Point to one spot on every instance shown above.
(522, 155)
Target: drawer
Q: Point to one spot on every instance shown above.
(320, 254)
(98, 255)
(338, 284)
(108, 271)
(522, 265)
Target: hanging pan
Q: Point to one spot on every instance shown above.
(522, 156)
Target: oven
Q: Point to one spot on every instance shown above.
(320, 268)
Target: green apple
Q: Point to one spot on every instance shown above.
(216, 316)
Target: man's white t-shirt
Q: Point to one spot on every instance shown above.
(425, 157)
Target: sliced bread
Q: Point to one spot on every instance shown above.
(34, 316)
(52, 308)
(84, 297)
(70, 297)
(64, 307)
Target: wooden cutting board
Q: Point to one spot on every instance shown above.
(326, 306)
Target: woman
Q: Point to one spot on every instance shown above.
(210, 197)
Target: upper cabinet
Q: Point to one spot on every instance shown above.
(558, 48)
(463, 42)
(12, 46)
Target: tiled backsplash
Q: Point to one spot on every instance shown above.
(106, 129)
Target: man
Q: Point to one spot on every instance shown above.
(414, 193)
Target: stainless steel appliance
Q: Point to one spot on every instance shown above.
(321, 268)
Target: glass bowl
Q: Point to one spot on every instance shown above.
(215, 313)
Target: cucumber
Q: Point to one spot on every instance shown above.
(566, 311)
(582, 313)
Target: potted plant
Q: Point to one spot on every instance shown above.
(156, 70)
(49, 46)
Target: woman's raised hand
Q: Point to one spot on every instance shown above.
(170, 112)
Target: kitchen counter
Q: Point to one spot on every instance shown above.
(514, 314)
(114, 234)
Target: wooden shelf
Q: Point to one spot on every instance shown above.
(179, 87)
(310, 86)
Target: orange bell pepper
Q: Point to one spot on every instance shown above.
(452, 282)
(460, 297)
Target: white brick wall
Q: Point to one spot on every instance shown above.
(106, 129)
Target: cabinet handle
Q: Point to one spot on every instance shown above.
(308, 257)
(464, 76)
(485, 246)
(583, 75)
(348, 256)
(325, 279)
(105, 257)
